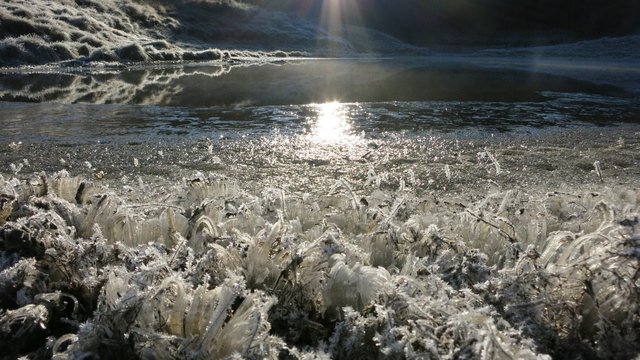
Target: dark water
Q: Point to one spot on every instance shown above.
(353, 96)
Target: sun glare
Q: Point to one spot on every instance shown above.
(332, 124)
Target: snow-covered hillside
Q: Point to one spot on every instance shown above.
(619, 48)
(83, 31)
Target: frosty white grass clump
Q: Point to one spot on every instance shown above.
(352, 273)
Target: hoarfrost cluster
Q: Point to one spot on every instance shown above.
(226, 272)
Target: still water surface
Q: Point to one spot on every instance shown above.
(330, 100)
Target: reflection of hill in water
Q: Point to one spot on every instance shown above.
(291, 83)
(129, 87)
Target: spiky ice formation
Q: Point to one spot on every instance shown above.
(227, 273)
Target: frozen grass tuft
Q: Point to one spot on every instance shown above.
(223, 272)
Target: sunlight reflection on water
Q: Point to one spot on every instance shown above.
(332, 126)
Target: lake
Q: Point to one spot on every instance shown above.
(368, 97)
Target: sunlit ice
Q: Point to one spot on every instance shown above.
(332, 124)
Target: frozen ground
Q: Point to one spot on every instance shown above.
(444, 246)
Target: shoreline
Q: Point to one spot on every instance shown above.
(539, 157)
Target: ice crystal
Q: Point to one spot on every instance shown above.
(227, 273)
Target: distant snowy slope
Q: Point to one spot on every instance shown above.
(47, 31)
(620, 48)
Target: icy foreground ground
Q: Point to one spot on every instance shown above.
(434, 247)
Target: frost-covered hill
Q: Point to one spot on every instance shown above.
(619, 48)
(46, 31)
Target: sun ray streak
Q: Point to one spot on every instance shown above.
(337, 17)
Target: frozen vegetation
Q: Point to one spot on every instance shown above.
(384, 262)
(79, 32)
